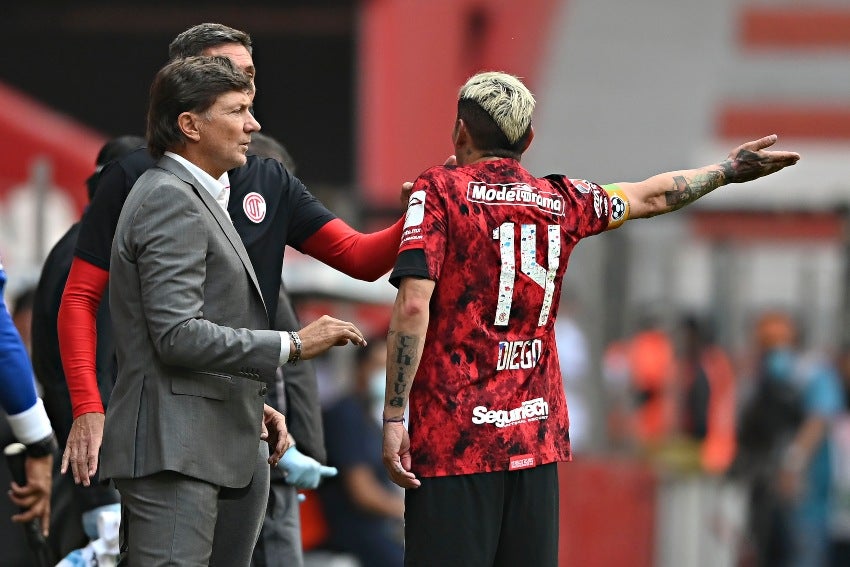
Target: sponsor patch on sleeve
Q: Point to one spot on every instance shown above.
(411, 236)
(583, 185)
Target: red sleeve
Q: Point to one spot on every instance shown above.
(362, 256)
(77, 328)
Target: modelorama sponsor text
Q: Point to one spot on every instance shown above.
(515, 194)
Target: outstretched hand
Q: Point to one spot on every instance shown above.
(326, 332)
(751, 160)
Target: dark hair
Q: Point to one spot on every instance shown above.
(195, 40)
(113, 149)
(187, 85)
(263, 145)
(486, 134)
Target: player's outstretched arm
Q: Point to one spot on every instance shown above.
(673, 190)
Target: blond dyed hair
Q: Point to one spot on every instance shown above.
(505, 98)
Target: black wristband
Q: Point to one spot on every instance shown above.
(46, 446)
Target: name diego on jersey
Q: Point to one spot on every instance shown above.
(514, 355)
(515, 194)
(530, 410)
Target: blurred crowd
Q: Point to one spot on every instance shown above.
(770, 416)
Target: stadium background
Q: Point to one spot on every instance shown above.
(362, 95)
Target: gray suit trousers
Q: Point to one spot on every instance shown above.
(171, 519)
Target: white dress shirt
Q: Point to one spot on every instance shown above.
(220, 191)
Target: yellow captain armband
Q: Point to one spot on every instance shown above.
(618, 205)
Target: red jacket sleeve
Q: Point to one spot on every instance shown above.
(362, 256)
(77, 328)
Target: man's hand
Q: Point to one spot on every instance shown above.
(750, 161)
(274, 433)
(407, 186)
(34, 498)
(303, 472)
(397, 455)
(327, 332)
(81, 451)
(406, 190)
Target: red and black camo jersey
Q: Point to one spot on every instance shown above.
(488, 394)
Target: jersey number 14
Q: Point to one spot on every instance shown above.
(544, 277)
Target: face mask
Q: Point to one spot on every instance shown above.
(779, 363)
(377, 386)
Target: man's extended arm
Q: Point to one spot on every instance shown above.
(362, 256)
(673, 190)
(77, 329)
(405, 343)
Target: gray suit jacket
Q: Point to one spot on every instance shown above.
(192, 373)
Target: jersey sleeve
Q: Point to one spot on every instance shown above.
(588, 202)
(423, 239)
(76, 326)
(363, 256)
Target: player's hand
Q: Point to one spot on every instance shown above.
(275, 433)
(303, 472)
(83, 446)
(327, 332)
(751, 160)
(397, 455)
(34, 498)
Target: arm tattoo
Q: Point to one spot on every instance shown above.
(686, 192)
(403, 362)
(745, 166)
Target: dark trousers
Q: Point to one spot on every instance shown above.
(493, 519)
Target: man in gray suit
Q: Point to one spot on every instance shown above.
(187, 409)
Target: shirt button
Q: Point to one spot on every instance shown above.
(263, 390)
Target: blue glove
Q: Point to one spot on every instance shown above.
(303, 472)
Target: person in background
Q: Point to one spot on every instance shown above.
(640, 376)
(783, 449)
(839, 520)
(488, 418)
(574, 356)
(80, 507)
(23, 304)
(28, 420)
(362, 508)
(280, 538)
(708, 396)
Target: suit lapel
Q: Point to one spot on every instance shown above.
(173, 166)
